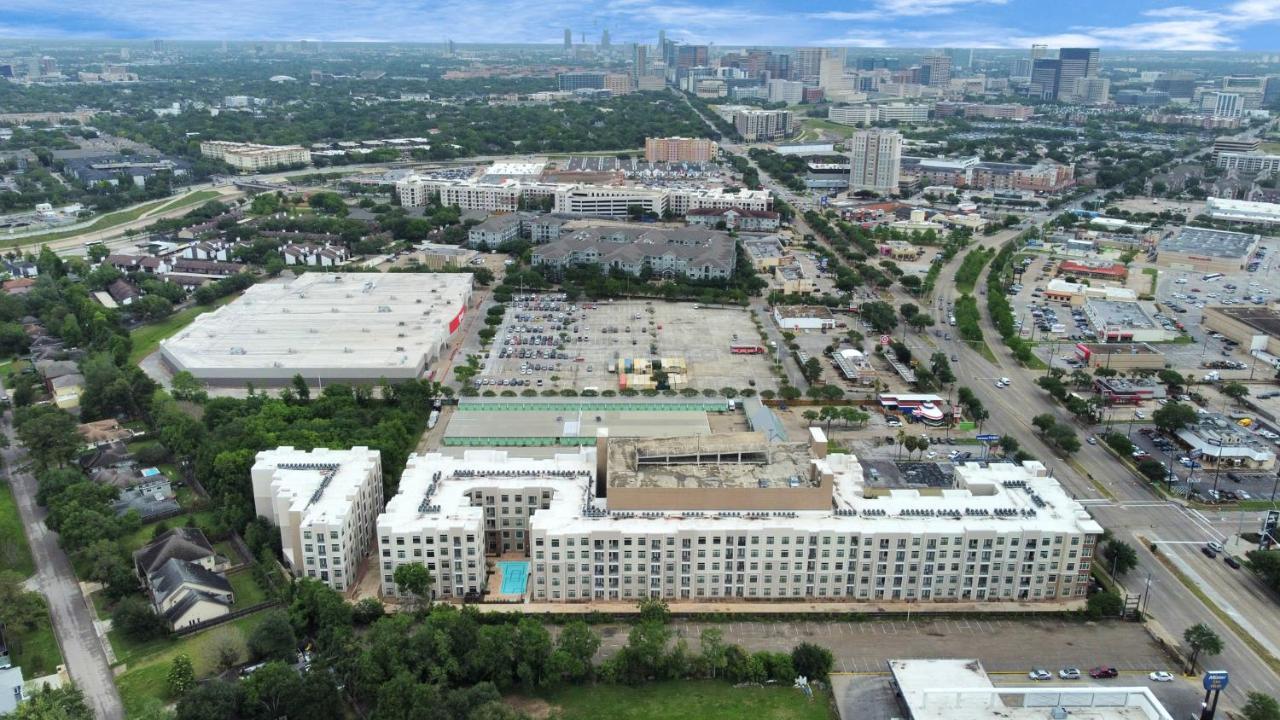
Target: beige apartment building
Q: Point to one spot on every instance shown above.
(250, 157)
(680, 150)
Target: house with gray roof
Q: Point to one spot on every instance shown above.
(182, 543)
(694, 253)
(186, 593)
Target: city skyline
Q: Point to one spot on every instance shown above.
(1248, 25)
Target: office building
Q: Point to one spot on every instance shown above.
(874, 159)
(1235, 144)
(568, 39)
(604, 39)
(903, 112)
(831, 77)
(1249, 162)
(1044, 78)
(1252, 89)
(935, 70)
(250, 157)
(680, 150)
(618, 83)
(1222, 104)
(1092, 90)
(326, 327)
(1073, 64)
(753, 124)
(325, 503)
(571, 81)
(692, 252)
(1005, 111)
(734, 516)
(640, 62)
(790, 92)
(854, 114)
(806, 63)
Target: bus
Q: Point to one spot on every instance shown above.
(94, 243)
(1211, 276)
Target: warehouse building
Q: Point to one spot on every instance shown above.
(324, 502)
(1123, 322)
(732, 516)
(1206, 250)
(327, 327)
(1261, 213)
(1120, 356)
(1254, 327)
(803, 317)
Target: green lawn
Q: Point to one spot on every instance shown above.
(15, 554)
(143, 683)
(248, 592)
(36, 652)
(147, 338)
(119, 217)
(1154, 276)
(817, 124)
(194, 198)
(694, 700)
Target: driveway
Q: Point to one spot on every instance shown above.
(72, 621)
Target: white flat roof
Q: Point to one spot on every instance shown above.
(320, 483)
(325, 326)
(982, 502)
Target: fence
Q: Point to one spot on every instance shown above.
(233, 615)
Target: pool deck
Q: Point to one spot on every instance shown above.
(494, 584)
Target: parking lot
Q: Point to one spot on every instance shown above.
(1232, 483)
(547, 342)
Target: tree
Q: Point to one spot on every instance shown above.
(1173, 417)
(1235, 390)
(415, 580)
(1266, 563)
(1104, 605)
(654, 610)
(49, 434)
(811, 416)
(1260, 706)
(181, 676)
(714, 657)
(300, 387)
(135, 619)
(812, 661)
(1201, 639)
(1121, 556)
(1152, 470)
(273, 638)
(880, 316)
(217, 700)
(62, 703)
(1172, 378)
(575, 649)
(1044, 422)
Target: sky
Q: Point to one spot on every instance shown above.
(1129, 24)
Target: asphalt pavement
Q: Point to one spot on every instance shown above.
(72, 620)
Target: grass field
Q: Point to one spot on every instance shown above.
(691, 700)
(814, 126)
(194, 198)
(142, 685)
(1270, 148)
(15, 554)
(36, 652)
(147, 337)
(106, 221)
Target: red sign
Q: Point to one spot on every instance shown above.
(885, 339)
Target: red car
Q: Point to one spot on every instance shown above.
(1102, 672)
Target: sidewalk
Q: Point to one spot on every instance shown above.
(800, 607)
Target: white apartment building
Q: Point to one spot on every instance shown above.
(735, 516)
(251, 157)
(1222, 104)
(874, 159)
(608, 201)
(681, 200)
(324, 502)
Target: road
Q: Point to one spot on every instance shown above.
(1134, 514)
(72, 621)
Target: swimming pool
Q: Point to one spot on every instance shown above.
(515, 576)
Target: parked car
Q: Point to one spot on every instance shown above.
(1161, 676)
(1039, 674)
(1103, 671)
(1069, 673)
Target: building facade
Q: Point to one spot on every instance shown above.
(753, 124)
(250, 157)
(874, 159)
(324, 502)
(680, 150)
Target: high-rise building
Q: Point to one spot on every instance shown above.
(1092, 90)
(640, 62)
(1073, 64)
(568, 39)
(604, 39)
(806, 63)
(1251, 89)
(581, 81)
(935, 70)
(1272, 92)
(1044, 79)
(874, 159)
(831, 75)
(754, 124)
(960, 57)
(1039, 51)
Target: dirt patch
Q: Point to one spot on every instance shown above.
(536, 708)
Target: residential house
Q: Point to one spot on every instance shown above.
(734, 219)
(21, 268)
(151, 497)
(694, 253)
(182, 543)
(123, 292)
(19, 286)
(311, 254)
(185, 593)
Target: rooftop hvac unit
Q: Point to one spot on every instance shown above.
(419, 301)
(313, 331)
(291, 351)
(399, 349)
(400, 335)
(260, 331)
(346, 350)
(384, 308)
(284, 310)
(237, 351)
(364, 329)
(277, 364)
(333, 309)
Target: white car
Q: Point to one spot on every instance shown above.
(1161, 676)
(1039, 674)
(1069, 673)
(1138, 414)
(999, 384)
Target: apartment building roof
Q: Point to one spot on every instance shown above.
(632, 245)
